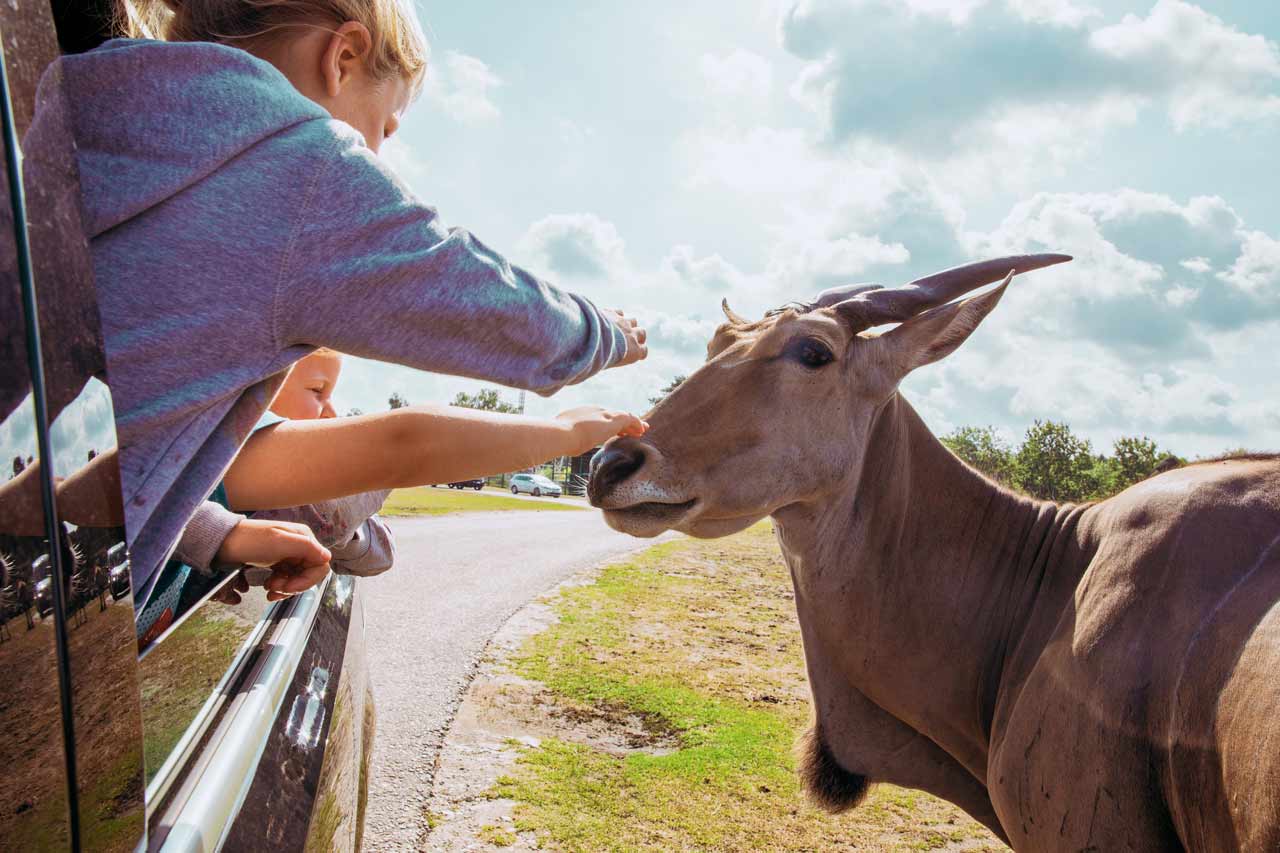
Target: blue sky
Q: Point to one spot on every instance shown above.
(661, 156)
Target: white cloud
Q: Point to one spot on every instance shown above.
(1020, 75)
(403, 160)
(463, 85)
(711, 273)
(575, 245)
(1180, 295)
(1065, 13)
(1257, 270)
(737, 74)
(816, 263)
(1126, 339)
(1209, 72)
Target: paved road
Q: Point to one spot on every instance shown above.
(457, 579)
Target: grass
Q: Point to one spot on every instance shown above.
(427, 501)
(180, 673)
(33, 785)
(700, 641)
(497, 836)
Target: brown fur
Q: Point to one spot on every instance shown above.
(1098, 677)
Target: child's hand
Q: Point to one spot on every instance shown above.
(592, 426)
(635, 334)
(297, 560)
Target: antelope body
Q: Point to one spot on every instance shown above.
(1102, 677)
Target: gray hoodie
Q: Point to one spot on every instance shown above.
(234, 226)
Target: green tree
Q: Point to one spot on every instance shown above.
(984, 449)
(1054, 464)
(1135, 459)
(397, 401)
(670, 386)
(486, 400)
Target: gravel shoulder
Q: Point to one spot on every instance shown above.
(458, 578)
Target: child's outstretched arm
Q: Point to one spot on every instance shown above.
(374, 272)
(304, 462)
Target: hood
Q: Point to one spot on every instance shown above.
(152, 118)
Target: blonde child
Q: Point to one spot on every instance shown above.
(232, 193)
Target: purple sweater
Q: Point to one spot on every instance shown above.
(234, 227)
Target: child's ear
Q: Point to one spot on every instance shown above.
(348, 47)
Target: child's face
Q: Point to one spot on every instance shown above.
(372, 107)
(306, 391)
(330, 68)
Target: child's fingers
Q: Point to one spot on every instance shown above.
(632, 426)
(289, 580)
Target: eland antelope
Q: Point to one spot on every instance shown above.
(1102, 677)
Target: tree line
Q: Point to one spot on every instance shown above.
(1051, 463)
(1055, 464)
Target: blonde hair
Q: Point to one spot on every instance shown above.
(398, 44)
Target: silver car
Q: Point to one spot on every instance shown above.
(534, 484)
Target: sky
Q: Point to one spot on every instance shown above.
(659, 157)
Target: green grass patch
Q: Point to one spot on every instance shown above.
(424, 500)
(180, 673)
(497, 836)
(698, 640)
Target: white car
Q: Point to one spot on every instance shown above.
(534, 484)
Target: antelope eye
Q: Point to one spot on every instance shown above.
(811, 353)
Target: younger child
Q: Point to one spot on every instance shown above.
(359, 542)
(335, 473)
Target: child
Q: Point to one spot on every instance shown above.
(315, 460)
(358, 542)
(232, 194)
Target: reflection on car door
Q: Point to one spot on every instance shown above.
(248, 724)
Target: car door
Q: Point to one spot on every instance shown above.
(242, 726)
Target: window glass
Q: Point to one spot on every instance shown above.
(181, 672)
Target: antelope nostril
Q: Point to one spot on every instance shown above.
(614, 464)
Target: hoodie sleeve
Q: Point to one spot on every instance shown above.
(371, 551)
(203, 535)
(373, 272)
(334, 522)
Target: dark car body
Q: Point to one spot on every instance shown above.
(476, 484)
(241, 727)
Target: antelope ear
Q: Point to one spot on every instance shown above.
(937, 333)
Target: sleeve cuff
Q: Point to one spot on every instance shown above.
(204, 534)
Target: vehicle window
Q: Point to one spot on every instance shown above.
(180, 673)
(95, 628)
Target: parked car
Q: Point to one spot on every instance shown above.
(44, 594)
(534, 484)
(118, 564)
(244, 727)
(476, 484)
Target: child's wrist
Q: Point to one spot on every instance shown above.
(575, 434)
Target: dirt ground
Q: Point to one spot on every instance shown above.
(595, 754)
(32, 787)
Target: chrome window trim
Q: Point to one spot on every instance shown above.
(185, 749)
(210, 796)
